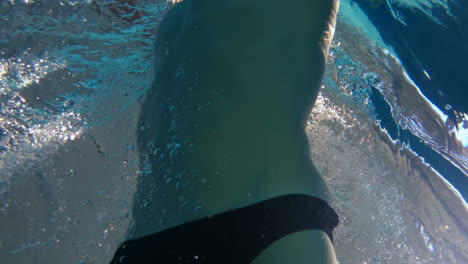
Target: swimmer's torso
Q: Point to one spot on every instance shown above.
(223, 124)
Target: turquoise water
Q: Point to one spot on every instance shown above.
(72, 78)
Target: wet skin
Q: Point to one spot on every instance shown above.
(223, 124)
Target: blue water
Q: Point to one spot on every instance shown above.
(437, 45)
(73, 75)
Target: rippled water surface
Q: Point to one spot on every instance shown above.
(73, 75)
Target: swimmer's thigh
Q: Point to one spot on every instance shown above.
(305, 247)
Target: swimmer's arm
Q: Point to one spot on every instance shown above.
(306, 247)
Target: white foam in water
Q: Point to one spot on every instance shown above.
(414, 123)
(71, 84)
(17, 73)
(462, 132)
(28, 133)
(380, 177)
(443, 117)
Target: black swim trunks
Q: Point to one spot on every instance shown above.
(236, 236)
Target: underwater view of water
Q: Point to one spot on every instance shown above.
(388, 133)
